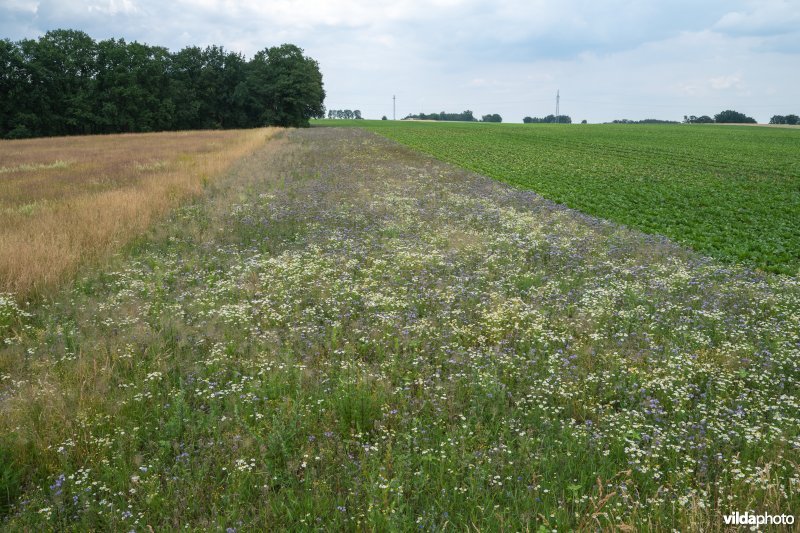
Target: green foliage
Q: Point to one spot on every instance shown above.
(729, 192)
(549, 119)
(492, 118)
(730, 116)
(285, 87)
(65, 83)
(704, 119)
(464, 116)
(344, 114)
(644, 121)
(788, 119)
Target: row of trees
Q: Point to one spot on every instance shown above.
(644, 121)
(464, 116)
(549, 119)
(66, 83)
(728, 116)
(704, 119)
(787, 119)
(344, 114)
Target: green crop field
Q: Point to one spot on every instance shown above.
(730, 192)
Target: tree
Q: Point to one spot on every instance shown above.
(730, 116)
(384, 117)
(788, 119)
(492, 118)
(464, 116)
(643, 121)
(133, 89)
(222, 89)
(55, 83)
(705, 119)
(15, 119)
(549, 119)
(185, 73)
(65, 83)
(285, 87)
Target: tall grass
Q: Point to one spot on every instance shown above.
(66, 202)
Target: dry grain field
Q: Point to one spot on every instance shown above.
(70, 200)
(342, 333)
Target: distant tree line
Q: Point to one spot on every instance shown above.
(492, 118)
(704, 119)
(549, 119)
(728, 116)
(66, 83)
(344, 114)
(464, 116)
(788, 119)
(644, 121)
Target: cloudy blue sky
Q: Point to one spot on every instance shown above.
(609, 58)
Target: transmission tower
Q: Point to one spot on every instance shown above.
(558, 116)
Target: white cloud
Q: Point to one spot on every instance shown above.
(733, 81)
(114, 7)
(764, 17)
(29, 6)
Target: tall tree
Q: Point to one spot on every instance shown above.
(285, 87)
(15, 118)
(730, 116)
(185, 71)
(133, 88)
(59, 72)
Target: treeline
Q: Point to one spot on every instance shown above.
(703, 119)
(66, 83)
(734, 117)
(344, 114)
(494, 117)
(728, 116)
(787, 119)
(644, 121)
(464, 116)
(549, 119)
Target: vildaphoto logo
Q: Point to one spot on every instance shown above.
(764, 519)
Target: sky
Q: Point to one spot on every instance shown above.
(608, 59)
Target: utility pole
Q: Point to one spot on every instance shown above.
(558, 116)
(394, 107)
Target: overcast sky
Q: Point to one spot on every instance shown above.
(609, 58)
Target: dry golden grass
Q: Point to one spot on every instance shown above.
(68, 201)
